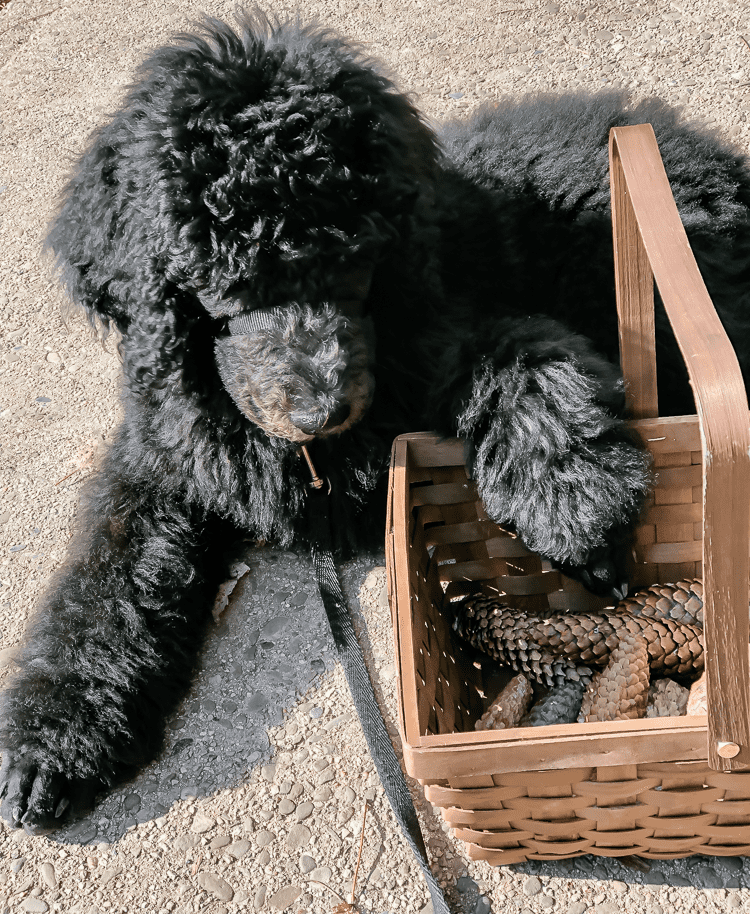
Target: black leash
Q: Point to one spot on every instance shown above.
(350, 654)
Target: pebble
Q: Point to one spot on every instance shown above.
(306, 863)
(216, 885)
(286, 807)
(238, 849)
(259, 899)
(47, 872)
(532, 886)
(264, 838)
(284, 897)
(321, 873)
(299, 836)
(34, 905)
(17, 864)
(577, 907)
(202, 824)
(185, 842)
(109, 874)
(219, 841)
(303, 811)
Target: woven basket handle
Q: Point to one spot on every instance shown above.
(650, 243)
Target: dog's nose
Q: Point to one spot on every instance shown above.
(311, 425)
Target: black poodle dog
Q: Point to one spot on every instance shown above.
(291, 257)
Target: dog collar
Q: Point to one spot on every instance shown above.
(253, 321)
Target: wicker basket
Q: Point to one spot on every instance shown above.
(660, 788)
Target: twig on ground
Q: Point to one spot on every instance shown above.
(361, 842)
(84, 462)
(30, 19)
(349, 907)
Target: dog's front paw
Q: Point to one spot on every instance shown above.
(38, 799)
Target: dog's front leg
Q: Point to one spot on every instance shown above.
(552, 455)
(108, 656)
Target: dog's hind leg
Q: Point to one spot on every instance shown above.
(109, 655)
(550, 452)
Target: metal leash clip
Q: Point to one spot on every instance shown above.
(317, 482)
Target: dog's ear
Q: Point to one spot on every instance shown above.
(108, 239)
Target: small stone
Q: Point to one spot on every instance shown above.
(34, 905)
(185, 842)
(202, 824)
(546, 901)
(306, 863)
(264, 838)
(132, 802)
(54, 358)
(259, 899)
(47, 872)
(603, 35)
(326, 776)
(263, 858)
(255, 701)
(219, 841)
(17, 864)
(303, 811)
(734, 900)
(315, 713)
(238, 849)
(284, 897)
(286, 807)
(217, 886)
(298, 837)
(577, 907)
(268, 772)
(705, 877)
(607, 907)
(274, 627)
(109, 874)
(321, 874)
(532, 886)
(344, 814)
(322, 794)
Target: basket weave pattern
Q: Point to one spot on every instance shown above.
(654, 809)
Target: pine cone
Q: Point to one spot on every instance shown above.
(559, 706)
(660, 628)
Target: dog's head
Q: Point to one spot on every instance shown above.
(253, 182)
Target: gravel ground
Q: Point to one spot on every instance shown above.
(257, 803)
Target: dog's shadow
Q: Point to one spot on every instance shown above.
(266, 650)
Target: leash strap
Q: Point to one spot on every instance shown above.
(360, 685)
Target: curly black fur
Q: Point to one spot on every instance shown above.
(291, 256)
